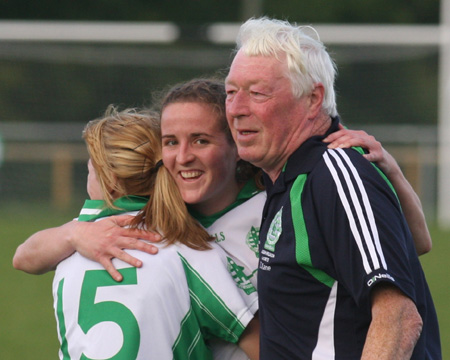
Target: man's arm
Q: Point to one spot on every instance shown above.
(395, 327)
(100, 241)
(410, 202)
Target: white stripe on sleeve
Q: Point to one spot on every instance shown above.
(364, 235)
(368, 207)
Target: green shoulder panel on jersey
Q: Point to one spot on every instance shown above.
(302, 252)
(189, 343)
(215, 318)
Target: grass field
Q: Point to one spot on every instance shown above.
(27, 323)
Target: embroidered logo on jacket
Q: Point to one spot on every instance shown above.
(274, 232)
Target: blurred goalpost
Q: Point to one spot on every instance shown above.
(444, 119)
(225, 33)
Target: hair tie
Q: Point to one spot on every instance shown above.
(157, 166)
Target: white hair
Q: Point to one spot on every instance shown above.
(307, 59)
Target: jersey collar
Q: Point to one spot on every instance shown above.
(95, 209)
(303, 159)
(247, 192)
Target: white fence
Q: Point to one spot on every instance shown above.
(60, 147)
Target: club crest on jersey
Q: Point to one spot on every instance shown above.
(274, 232)
(242, 281)
(252, 240)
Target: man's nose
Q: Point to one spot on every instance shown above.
(237, 105)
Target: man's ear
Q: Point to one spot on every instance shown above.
(316, 100)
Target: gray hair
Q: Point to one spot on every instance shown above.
(307, 58)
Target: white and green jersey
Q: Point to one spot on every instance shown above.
(167, 309)
(236, 230)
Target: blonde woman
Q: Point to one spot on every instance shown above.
(179, 299)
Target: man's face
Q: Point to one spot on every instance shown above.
(264, 117)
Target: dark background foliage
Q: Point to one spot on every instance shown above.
(55, 82)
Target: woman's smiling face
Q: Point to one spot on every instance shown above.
(199, 155)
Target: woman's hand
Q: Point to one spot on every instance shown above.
(410, 202)
(103, 240)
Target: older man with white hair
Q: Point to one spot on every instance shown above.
(338, 277)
